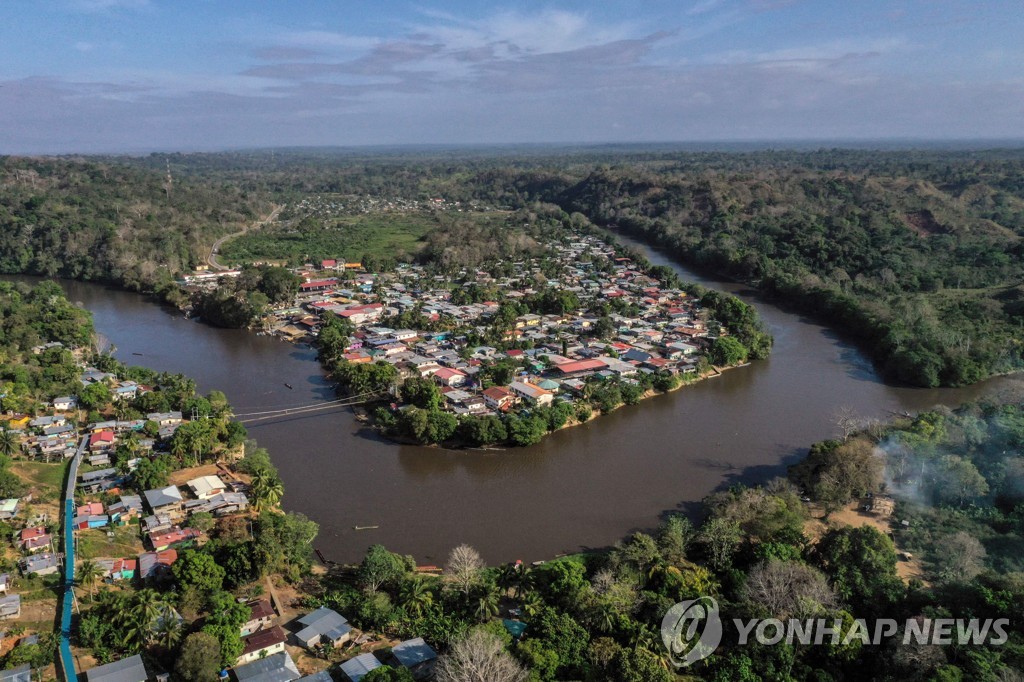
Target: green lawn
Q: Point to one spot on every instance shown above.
(346, 238)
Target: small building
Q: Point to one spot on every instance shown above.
(175, 537)
(65, 403)
(323, 625)
(33, 539)
(417, 656)
(532, 393)
(499, 398)
(126, 508)
(261, 644)
(122, 569)
(5, 582)
(23, 673)
(206, 487)
(357, 668)
(261, 615)
(165, 501)
(277, 667)
(129, 669)
(40, 564)
(156, 565)
(10, 606)
(9, 508)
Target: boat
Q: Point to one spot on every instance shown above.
(287, 385)
(136, 353)
(364, 527)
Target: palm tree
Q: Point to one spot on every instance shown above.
(147, 607)
(267, 490)
(168, 628)
(488, 604)
(9, 442)
(415, 597)
(532, 604)
(88, 573)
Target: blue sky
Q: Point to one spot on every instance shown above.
(138, 75)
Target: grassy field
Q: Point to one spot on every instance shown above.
(94, 543)
(46, 477)
(347, 238)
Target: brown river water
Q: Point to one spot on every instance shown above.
(584, 487)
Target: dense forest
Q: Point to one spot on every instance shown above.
(916, 254)
(104, 220)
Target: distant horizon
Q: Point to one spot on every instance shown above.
(136, 76)
(696, 146)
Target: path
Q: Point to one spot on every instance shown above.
(284, 612)
(67, 661)
(212, 258)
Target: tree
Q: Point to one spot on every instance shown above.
(386, 673)
(958, 479)
(198, 568)
(10, 443)
(836, 473)
(479, 657)
(199, 659)
(421, 392)
(639, 665)
(727, 351)
(94, 396)
(380, 567)
(721, 537)
(788, 589)
(861, 563)
(415, 597)
(267, 490)
(463, 568)
(88, 572)
(963, 557)
(151, 474)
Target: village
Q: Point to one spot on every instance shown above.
(116, 532)
(556, 326)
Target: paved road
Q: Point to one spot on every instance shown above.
(212, 258)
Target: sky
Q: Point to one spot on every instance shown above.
(99, 76)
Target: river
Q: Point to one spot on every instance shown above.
(584, 487)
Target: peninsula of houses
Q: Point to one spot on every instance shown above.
(572, 331)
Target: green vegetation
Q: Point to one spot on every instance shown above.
(105, 220)
(350, 238)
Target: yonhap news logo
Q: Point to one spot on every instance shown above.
(691, 631)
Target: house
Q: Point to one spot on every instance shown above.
(33, 539)
(10, 606)
(119, 569)
(417, 656)
(450, 377)
(323, 625)
(102, 440)
(227, 503)
(357, 668)
(165, 418)
(165, 501)
(127, 507)
(9, 508)
(129, 669)
(156, 523)
(156, 565)
(277, 667)
(175, 537)
(261, 644)
(579, 367)
(65, 403)
(40, 564)
(322, 676)
(206, 487)
(101, 479)
(261, 615)
(499, 398)
(90, 509)
(532, 393)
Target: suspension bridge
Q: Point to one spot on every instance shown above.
(312, 408)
